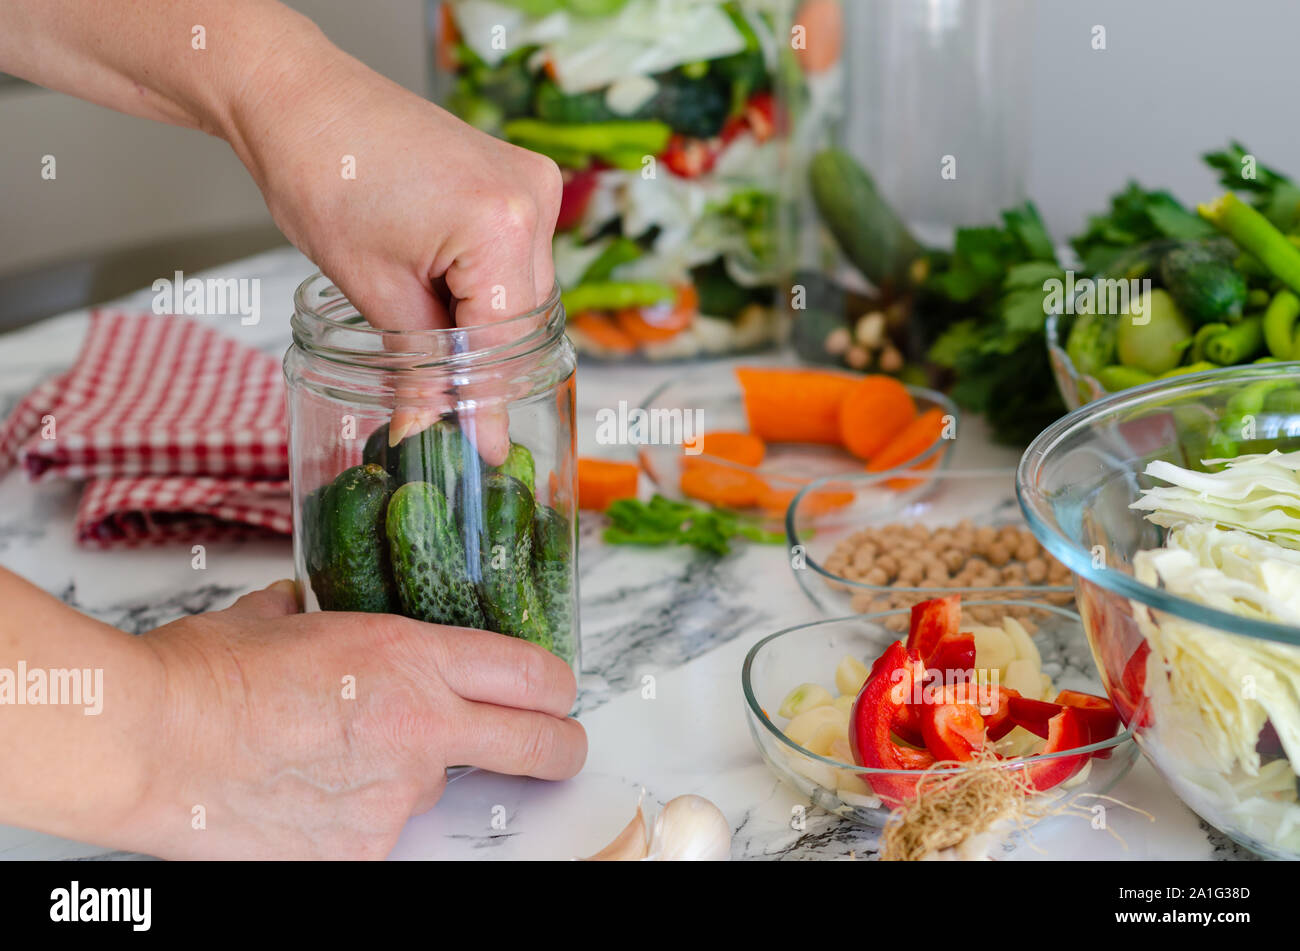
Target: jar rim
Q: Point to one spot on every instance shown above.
(326, 323)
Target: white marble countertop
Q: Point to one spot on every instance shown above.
(686, 619)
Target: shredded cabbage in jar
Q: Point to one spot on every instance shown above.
(1232, 545)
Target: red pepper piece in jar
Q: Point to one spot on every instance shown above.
(1065, 731)
(931, 621)
(689, 158)
(1130, 693)
(871, 724)
(953, 727)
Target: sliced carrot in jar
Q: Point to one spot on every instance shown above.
(601, 330)
(874, 411)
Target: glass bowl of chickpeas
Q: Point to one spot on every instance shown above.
(902, 541)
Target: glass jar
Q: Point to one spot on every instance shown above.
(662, 118)
(428, 527)
(930, 102)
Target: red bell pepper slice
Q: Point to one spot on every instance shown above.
(1098, 713)
(689, 158)
(998, 720)
(578, 188)
(931, 621)
(953, 728)
(871, 724)
(1066, 731)
(1034, 715)
(953, 653)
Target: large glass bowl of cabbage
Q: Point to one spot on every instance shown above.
(1177, 506)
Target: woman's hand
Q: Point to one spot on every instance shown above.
(319, 735)
(402, 205)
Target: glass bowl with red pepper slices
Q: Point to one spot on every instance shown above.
(1034, 703)
(663, 118)
(893, 542)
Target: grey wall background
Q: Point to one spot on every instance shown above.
(1178, 77)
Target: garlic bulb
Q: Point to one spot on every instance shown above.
(691, 829)
(629, 845)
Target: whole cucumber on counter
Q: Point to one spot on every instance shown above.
(428, 557)
(867, 229)
(552, 577)
(353, 555)
(506, 590)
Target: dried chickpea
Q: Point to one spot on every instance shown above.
(888, 564)
(876, 577)
(1036, 570)
(985, 536)
(999, 554)
(896, 623)
(862, 560)
(1026, 550)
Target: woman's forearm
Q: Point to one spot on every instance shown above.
(187, 62)
(75, 717)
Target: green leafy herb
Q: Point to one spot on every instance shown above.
(1135, 216)
(664, 521)
(997, 353)
(1275, 195)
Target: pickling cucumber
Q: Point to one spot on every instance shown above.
(867, 229)
(428, 558)
(353, 554)
(506, 590)
(553, 577)
(519, 464)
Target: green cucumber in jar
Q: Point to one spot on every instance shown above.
(430, 567)
(437, 454)
(313, 540)
(378, 452)
(353, 555)
(506, 590)
(553, 578)
(519, 464)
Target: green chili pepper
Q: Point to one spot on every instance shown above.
(1280, 324)
(620, 251)
(1237, 343)
(615, 295)
(612, 138)
(1198, 367)
(1203, 336)
(1117, 377)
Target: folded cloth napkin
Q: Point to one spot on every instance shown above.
(180, 430)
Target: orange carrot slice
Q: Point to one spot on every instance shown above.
(720, 484)
(915, 438)
(601, 330)
(785, 405)
(601, 481)
(876, 410)
(744, 449)
(775, 501)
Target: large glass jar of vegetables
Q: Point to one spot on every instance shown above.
(661, 115)
(433, 471)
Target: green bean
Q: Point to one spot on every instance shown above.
(1117, 377)
(1280, 323)
(1237, 343)
(1256, 234)
(1203, 336)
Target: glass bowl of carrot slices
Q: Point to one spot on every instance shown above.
(753, 437)
(825, 710)
(894, 541)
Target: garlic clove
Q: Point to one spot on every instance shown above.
(630, 845)
(691, 829)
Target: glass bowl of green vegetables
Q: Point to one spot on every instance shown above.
(1171, 308)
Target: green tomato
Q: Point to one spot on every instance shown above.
(1156, 344)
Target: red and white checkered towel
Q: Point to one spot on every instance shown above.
(181, 430)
